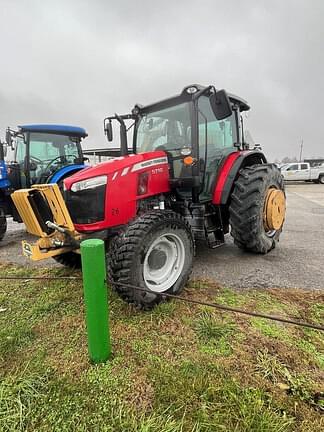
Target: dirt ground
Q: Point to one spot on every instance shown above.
(297, 261)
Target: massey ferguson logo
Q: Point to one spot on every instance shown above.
(150, 162)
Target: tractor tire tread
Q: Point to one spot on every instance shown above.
(126, 245)
(246, 207)
(69, 259)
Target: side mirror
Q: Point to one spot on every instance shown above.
(9, 138)
(109, 131)
(220, 104)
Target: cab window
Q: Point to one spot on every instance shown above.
(169, 130)
(216, 138)
(293, 167)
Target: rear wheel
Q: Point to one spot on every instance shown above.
(321, 179)
(3, 223)
(69, 259)
(155, 252)
(257, 209)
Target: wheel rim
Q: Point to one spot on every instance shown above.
(274, 210)
(164, 262)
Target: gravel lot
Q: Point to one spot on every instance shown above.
(298, 260)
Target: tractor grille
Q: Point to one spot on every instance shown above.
(87, 206)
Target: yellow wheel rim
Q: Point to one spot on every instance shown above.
(274, 209)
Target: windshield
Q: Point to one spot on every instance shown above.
(48, 152)
(168, 129)
(45, 147)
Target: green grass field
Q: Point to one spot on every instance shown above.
(177, 368)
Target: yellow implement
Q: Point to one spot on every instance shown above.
(42, 208)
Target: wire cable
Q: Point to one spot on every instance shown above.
(184, 299)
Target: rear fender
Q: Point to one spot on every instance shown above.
(229, 172)
(64, 172)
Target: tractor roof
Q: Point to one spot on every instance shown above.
(55, 129)
(186, 95)
(243, 105)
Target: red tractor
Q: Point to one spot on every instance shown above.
(189, 177)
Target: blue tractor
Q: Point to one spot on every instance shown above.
(41, 154)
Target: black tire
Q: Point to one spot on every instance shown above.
(3, 223)
(321, 179)
(69, 259)
(128, 255)
(247, 206)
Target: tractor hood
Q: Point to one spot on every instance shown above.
(119, 166)
(107, 194)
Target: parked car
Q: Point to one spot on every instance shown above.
(302, 171)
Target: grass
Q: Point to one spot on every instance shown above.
(176, 368)
(215, 335)
(270, 329)
(278, 372)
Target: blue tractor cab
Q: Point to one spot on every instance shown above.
(42, 153)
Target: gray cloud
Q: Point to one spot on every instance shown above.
(77, 61)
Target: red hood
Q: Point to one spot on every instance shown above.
(112, 166)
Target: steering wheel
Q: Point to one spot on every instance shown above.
(36, 159)
(53, 160)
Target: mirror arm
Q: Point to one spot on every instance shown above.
(202, 91)
(123, 135)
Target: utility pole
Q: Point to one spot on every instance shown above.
(301, 150)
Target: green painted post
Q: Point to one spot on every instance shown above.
(96, 299)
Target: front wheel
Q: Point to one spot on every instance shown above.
(155, 252)
(258, 207)
(321, 179)
(3, 223)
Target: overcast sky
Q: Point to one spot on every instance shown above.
(75, 62)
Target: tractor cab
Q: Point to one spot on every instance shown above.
(44, 153)
(197, 130)
(38, 154)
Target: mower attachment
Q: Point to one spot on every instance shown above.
(45, 215)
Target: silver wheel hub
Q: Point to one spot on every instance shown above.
(164, 262)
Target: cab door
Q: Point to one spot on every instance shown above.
(292, 172)
(304, 172)
(216, 139)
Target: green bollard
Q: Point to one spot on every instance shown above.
(95, 299)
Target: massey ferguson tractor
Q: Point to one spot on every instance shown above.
(189, 177)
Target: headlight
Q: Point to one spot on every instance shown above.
(90, 183)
